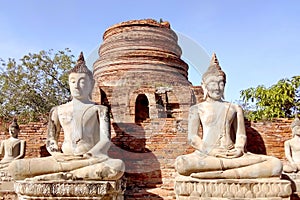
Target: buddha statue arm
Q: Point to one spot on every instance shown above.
(1, 148)
(193, 128)
(22, 150)
(240, 133)
(287, 151)
(104, 143)
(241, 137)
(53, 131)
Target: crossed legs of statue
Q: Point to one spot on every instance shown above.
(51, 169)
(289, 168)
(4, 166)
(110, 169)
(248, 166)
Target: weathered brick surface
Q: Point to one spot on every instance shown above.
(268, 137)
(149, 150)
(140, 59)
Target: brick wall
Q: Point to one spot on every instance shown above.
(268, 137)
(150, 148)
(35, 134)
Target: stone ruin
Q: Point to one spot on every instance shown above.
(142, 79)
(140, 74)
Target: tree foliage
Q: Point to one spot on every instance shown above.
(281, 100)
(29, 89)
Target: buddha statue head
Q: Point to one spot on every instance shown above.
(14, 129)
(81, 80)
(295, 126)
(213, 80)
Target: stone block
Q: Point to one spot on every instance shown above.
(7, 195)
(6, 186)
(294, 178)
(104, 190)
(187, 188)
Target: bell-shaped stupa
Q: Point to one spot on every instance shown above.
(139, 65)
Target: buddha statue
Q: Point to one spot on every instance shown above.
(292, 148)
(220, 149)
(86, 126)
(12, 148)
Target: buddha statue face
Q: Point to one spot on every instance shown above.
(295, 126)
(214, 87)
(296, 130)
(80, 85)
(13, 131)
(213, 80)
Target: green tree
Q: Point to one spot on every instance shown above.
(281, 100)
(29, 90)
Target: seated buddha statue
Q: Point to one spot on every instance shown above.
(12, 148)
(292, 148)
(86, 126)
(220, 149)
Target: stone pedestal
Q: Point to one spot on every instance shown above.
(294, 178)
(6, 181)
(187, 188)
(105, 190)
(6, 186)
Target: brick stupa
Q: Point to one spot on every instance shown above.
(140, 76)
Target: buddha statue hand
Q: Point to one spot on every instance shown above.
(100, 157)
(294, 167)
(52, 146)
(60, 157)
(218, 152)
(232, 153)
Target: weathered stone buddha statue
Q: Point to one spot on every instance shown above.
(292, 148)
(220, 152)
(86, 138)
(12, 148)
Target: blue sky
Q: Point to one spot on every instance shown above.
(257, 42)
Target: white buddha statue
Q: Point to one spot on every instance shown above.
(220, 151)
(86, 128)
(12, 148)
(292, 148)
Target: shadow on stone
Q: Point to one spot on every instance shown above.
(293, 178)
(142, 167)
(293, 184)
(295, 197)
(43, 151)
(255, 143)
